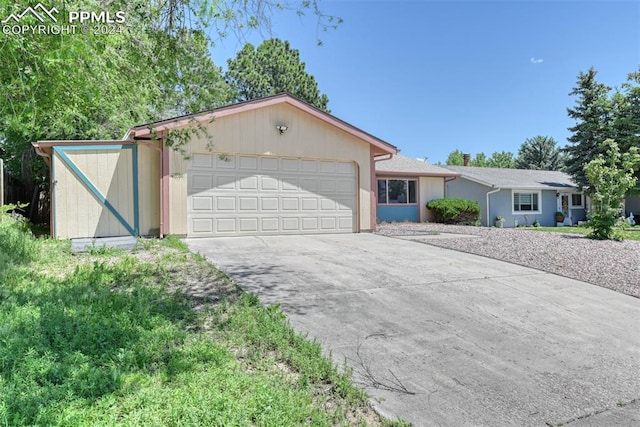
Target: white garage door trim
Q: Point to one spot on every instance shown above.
(257, 195)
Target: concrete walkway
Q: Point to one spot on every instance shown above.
(439, 337)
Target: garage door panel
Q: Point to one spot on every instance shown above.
(308, 184)
(202, 182)
(202, 225)
(309, 224)
(254, 195)
(290, 165)
(226, 225)
(202, 161)
(269, 203)
(328, 223)
(227, 162)
(345, 223)
(202, 203)
(248, 183)
(225, 204)
(268, 184)
(309, 166)
(309, 204)
(290, 204)
(249, 204)
(289, 184)
(224, 182)
(268, 164)
(290, 224)
(327, 205)
(248, 224)
(248, 163)
(270, 224)
(327, 167)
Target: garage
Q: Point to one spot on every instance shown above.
(268, 166)
(254, 195)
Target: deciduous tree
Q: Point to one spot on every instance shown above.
(610, 176)
(95, 86)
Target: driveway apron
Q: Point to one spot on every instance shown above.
(440, 337)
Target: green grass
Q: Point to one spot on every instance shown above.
(110, 338)
(630, 233)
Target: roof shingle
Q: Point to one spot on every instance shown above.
(403, 165)
(516, 178)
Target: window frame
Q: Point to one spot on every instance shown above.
(581, 205)
(526, 191)
(406, 180)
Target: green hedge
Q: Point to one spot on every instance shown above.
(455, 211)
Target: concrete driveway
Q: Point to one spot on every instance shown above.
(439, 337)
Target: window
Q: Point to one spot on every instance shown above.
(397, 191)
(576, 201)
(526, 202)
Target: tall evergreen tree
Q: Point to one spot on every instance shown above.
(540, 152)
(272, 68)
(593, 114)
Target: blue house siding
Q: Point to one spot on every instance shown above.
(501, 204)
(464, 189)
(398, 213)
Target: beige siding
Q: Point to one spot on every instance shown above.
(149, 190)
(78, 213)
(254, 132)
(430, 188)
(177, 194)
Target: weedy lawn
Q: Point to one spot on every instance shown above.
(155, 337)
(628, 233)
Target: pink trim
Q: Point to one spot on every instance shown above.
(164, 190)
(382, 146)
(373, 192)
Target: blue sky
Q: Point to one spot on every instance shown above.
(434, 76)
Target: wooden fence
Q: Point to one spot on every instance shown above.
(11, 190)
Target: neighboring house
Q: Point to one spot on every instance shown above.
(632, 205)
(521, 196)
(270, 166)
(404, 187)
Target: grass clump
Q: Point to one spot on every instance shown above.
(156, 337)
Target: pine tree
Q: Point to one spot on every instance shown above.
(540, 152)
(593, 114)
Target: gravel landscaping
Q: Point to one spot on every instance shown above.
(610, 264)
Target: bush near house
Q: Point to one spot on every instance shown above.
(455, 211)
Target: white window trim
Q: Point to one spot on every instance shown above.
(572, 206)
(417, 181)
(525, 190)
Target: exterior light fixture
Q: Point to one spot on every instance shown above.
(282, 129)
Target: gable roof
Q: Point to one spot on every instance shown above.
(145, 131)
(516, 178)
(403, 165)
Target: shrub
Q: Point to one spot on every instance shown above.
(455, 211)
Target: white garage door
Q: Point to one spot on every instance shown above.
(253, 195)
